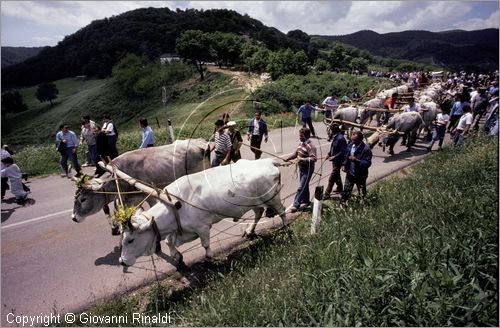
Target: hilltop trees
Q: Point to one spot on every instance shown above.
(195, 47)
(46, 92)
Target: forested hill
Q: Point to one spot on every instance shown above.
(96, 48)
(467, 50)
(14, 55)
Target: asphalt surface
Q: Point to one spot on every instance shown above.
(51, 264)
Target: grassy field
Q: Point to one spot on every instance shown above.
(422, 250)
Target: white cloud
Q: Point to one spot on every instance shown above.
(312, 17)
(478, 23)
(70, 13)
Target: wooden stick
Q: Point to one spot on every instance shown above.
(367, 127)
(133, 182)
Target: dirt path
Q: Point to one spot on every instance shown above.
(249, 81)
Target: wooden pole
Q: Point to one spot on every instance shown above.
(317, 206)
(367, 127)
(142, 187)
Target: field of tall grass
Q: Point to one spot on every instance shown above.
(421, 250)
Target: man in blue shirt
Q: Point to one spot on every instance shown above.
(67, 143)
(455, 112)
(358, 158)
(306, 111)
(148, 136)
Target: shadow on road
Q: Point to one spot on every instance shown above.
(110, 259)
(416, 150)
(7, 212)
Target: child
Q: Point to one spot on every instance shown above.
(14, 174)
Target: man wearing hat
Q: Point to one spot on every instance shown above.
(236, 141)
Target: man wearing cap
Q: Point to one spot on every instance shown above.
(236, 141)
(222, 145)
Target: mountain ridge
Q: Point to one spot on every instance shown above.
(456, 49)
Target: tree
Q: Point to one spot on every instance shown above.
(12, 101)
(359, 63)
(227, 47)
(46, 92)
(321, 65)
(195, 46)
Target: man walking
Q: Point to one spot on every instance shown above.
(148, 136)
(358, 158)
(236, 141)
(306, 157)
(336, 156)
(257, 130)
(67, 144)
(305, 111)
(222, 145)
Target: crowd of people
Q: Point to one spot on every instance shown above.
(475, 97)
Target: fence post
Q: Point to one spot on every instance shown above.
(170, 134)
(317, 206)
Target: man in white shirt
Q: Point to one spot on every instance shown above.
(442, 121)
(463, 127)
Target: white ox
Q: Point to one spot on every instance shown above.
(206, 198)
(429, 113)
(155, 165)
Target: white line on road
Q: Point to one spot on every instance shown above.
(36, 219)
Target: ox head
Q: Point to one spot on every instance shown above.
(87, 201)
(138, 238)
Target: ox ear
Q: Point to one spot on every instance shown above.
(138, 225)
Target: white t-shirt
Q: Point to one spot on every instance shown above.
(109, 128)
(464, 120)
(443, 119)
(256, 130)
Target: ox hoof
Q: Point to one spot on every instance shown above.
(74, 219)
(115, 231)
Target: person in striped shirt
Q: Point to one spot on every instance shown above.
(306, 157)
(222, 145)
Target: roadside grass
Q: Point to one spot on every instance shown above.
(421, 250)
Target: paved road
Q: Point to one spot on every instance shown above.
(52, 264)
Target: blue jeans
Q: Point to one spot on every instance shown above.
(68, 154)
(219, 157)
(305, 174)
(458, 140)
(437, 134)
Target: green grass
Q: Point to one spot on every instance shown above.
(422, 250)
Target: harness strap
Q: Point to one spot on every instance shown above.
(156, 231)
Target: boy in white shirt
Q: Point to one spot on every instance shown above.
(442, 121)
(463, 127)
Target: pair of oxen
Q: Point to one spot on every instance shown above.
(202, 196)
(409, 123)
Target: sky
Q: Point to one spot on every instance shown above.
(45, 23)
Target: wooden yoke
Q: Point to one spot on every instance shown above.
(381, 129)
(159, 194)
